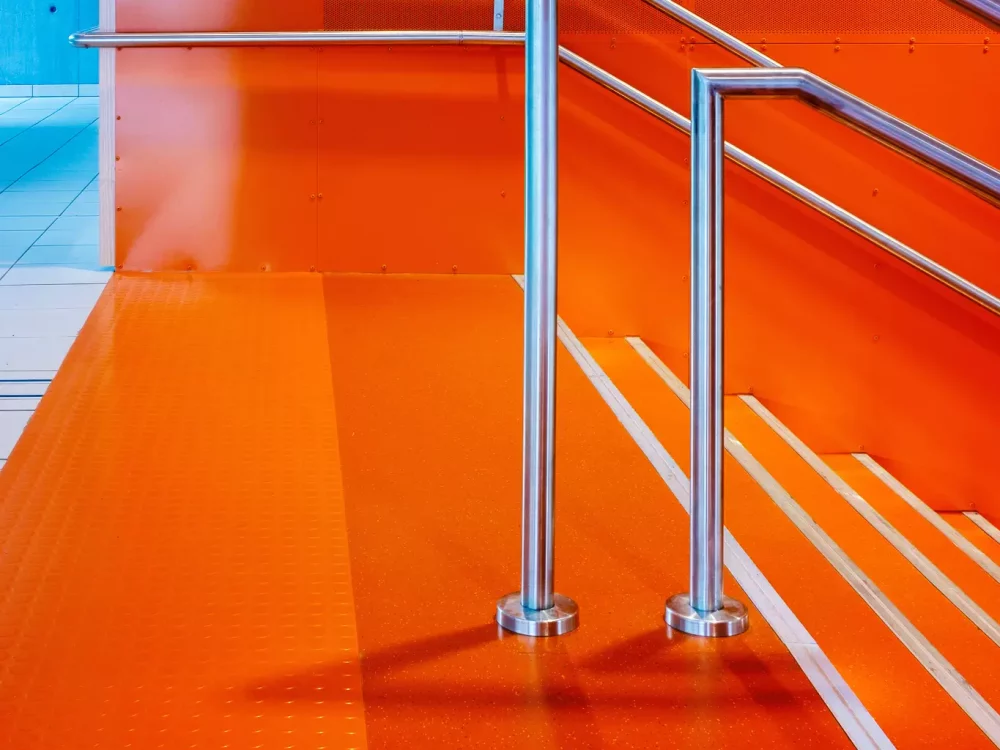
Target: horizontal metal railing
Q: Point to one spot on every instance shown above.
(288, 38)
(596, 74)
(934, 153)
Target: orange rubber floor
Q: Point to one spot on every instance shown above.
(974, 534)
(244, 497)
(883, 674)
(174, 569)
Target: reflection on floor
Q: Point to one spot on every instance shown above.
(49, 272)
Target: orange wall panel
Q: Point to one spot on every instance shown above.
(421, 159)
(217, 162)
(219, 15)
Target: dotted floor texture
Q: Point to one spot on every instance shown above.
(173, 552)
(221, 456)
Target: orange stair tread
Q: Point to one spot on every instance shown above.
(427, 374)
(966, 647)
(175, 571)
(952, 561)
(974, 534)
(856, 641)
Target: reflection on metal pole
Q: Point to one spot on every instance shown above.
(537, 610)
(704, 610)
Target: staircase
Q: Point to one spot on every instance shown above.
(272, 495)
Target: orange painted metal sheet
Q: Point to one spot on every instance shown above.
(952, 561)
(217, 164)
(427, 376)
(974, 534)
(856, 641)
(421, 159)
(218, 15)
(965, 647)
(175, 570)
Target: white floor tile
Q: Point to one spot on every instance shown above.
(19, 404)
(34, 353)
(50, 296)
(25, 223)
(71, 237)
(50, 103)
(14, 243)
(12, 424)
(42, 323)
(8, 103)
(75, 224)
(61, 255)
(26, 388)
(83, 208)
(36, 275)
(67, 89)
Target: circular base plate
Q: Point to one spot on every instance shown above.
(732, 619)
(563, 617)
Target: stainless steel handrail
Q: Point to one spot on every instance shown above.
(957, 165)
(984, 11)
(708, 90)
(588, 69)
(288, 38)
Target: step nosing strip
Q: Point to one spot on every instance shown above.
(930, 515)
(848, 710)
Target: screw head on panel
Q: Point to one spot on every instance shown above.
(383, 268)
(837, 48)
(875, 338)
(611, 332)
(312, 268)
(454, 269)
(119, 208)
(874, 192)
(503, 193)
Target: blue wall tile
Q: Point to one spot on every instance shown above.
(33, 41)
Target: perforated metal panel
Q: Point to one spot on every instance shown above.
(418, 14)
(575, 16)
(636, 16)
(837, 17)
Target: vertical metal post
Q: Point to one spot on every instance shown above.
(705, 610)
(498, 15)
(537, 610)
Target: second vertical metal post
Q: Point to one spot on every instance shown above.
(536, 609)
(705, 610)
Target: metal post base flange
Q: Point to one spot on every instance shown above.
(562, 617)
(732, 619)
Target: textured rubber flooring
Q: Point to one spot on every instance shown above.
(427, 374)
(883, 674)
(173, 563)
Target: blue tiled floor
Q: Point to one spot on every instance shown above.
(49, 273)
